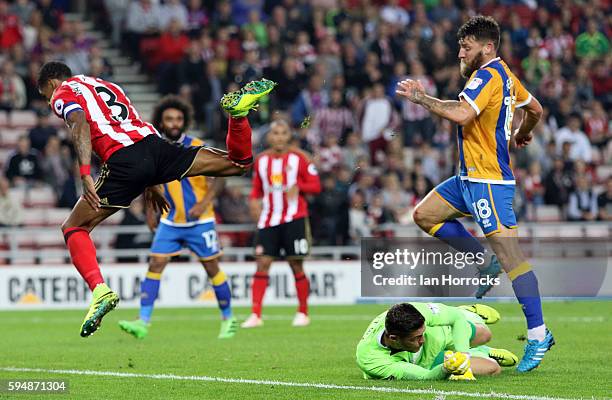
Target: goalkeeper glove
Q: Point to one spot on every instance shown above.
(456, 363)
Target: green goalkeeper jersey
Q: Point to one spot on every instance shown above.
(446, 328)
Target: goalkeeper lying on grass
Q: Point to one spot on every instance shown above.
(431, 341)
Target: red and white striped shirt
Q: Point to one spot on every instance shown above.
(273, 175)
(113, 121)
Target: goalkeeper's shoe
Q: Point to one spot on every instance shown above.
(493, 270)
(228, 328)
(534, 352)
(504, 358)
(487, 313)
(104, 301)
(467, 376)
(240, 102)
(139, 329)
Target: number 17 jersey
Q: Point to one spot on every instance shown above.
(113, 121)
(494, 92)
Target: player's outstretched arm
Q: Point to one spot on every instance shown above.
(81, 138)
(215, 162)
(456, 111)
(533, 113)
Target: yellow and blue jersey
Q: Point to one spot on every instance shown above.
(494, 92)
(183, 194)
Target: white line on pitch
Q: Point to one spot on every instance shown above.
(288, 317)
(491, 395)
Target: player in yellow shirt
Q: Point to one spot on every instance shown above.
(484, 187)
(190, 222)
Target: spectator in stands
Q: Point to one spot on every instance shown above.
(12, 91)
(143, 20)
(52, 16)
(34, 100)
(417, 120)
(395, 198)
(23, 9)
(173, 10)
(40, 134)
(56, 165)
(604, 202)
(330, 208)
(76, 59)
(171, 49)
(99, 66)
(290, 84)
(11, 211)
(117, 12)
(360, 224)
(329, 154)
(24, 166)
(233, 206)
(334, 120)
(378, 122)
(133, 216)
(257, 27)
(353, 150)
(580, 145)
(393, 14)
(10, 27)
(309, 101)
(597, 125)
(196, 18)
(592, 43)
(582, 201)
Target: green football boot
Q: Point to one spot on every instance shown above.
(228, 328)
(240, 102)
(505, 358)
(139, 329)
(104, 301)
(487, 313)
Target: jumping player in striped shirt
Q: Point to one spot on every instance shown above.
(190, 222)
(102, 119)
(282, 176)
(484, 187)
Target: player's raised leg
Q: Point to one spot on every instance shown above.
(437, 215)
(76, 229)
(149, 291)
(302, 289)
(258, 291)
(239, 155)
(525, 286)
(218, 279)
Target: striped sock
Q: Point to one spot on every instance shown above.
(149, 290)
(223, 294)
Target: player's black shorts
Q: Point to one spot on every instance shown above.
(291, 239)
(130, 170)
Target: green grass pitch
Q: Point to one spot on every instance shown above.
(182, 343)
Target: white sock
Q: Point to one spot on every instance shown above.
(538, 333)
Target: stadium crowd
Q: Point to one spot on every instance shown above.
(337, 63)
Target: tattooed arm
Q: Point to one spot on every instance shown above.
(81, 138)
(459, 112)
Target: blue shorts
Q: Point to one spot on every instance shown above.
(201, 239)
(489, 204)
